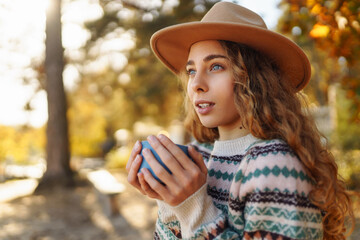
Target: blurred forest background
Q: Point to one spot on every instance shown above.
(109, 90)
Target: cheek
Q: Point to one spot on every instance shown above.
(189, 91)
(229, 98)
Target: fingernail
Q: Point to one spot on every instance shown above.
(151, 138)
(161, 136)
(137, 144)
(146, 151)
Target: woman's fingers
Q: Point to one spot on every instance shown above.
(163, 192)
(166, 153)
(145, 188)
(186, 178)
(182, 160)
(133, 170)
(135, 151)
(197, 158)
(156, 167)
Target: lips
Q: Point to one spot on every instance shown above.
(203, 106)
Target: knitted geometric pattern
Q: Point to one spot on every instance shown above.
(257, 189)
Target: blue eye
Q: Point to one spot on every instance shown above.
(191, 72)
(216, 67)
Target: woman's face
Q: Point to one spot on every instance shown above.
(210, 85)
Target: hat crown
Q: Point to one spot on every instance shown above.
(233, 13)
(231, 22)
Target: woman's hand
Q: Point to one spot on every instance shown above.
(133, 165)
(187, 176)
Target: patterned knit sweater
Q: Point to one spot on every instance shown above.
(255, 189)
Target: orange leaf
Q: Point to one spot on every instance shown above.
(319, 31)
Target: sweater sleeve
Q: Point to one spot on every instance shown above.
(195, 218)
(198, 217)
(270, 197)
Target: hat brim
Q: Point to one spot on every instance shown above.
(172, 44)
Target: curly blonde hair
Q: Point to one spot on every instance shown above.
(270, 108)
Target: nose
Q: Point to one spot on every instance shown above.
(199, 83)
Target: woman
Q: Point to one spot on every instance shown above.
(259, 169)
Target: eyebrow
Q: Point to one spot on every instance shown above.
(208, 58)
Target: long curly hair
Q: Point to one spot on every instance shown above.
(270, 108)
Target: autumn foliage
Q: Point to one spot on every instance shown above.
(334, 27)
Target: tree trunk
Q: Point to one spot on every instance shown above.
(58, 171)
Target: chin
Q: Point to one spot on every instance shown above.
(208, 124)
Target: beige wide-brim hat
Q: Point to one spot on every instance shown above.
(231, 22)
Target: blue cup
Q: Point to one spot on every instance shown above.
(144, 164)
